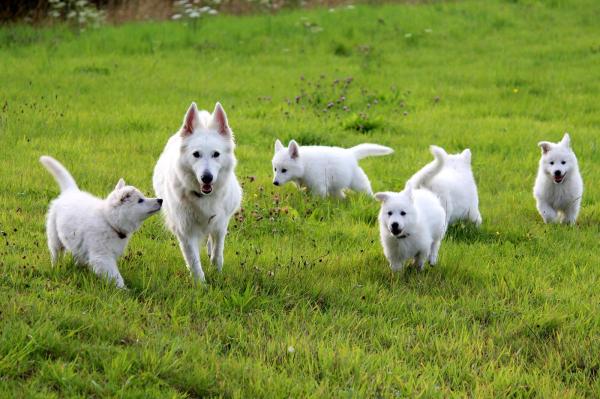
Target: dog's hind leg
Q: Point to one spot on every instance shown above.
(209, 245)
(107, 267)
(191, 254)
(360, 182)
(54, 243)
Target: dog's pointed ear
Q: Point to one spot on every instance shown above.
(545, 146)
(294, 149)
(191, 120)
(382, 196)
(219, 121)
(466, 155)
(566, 140)
(408, 190)
(120, 184)
(278, 146)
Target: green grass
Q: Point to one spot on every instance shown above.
(512, 309)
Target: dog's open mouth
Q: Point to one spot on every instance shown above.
(206, 189)
(559, 179)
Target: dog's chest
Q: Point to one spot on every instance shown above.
(561, 196)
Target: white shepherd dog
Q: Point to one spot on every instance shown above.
(96, 231)
(324, 170)
(456, 188)
(412, 223)
(195, 175)
(558, 186)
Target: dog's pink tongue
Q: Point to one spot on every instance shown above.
(206, 187)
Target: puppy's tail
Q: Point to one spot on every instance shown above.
(366, 150)
(423, 176)
(62, 175)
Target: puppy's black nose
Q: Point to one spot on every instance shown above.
(276, 183)
(557, 173)
(395, 228)
(159, 201)
(207, 177)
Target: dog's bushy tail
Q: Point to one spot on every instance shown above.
(366, 150)
(60, 173)
(423, 176)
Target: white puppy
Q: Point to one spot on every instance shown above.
(96, 231)
(558, 186)
(324, 170)
(412, 223)
(456, 188)
(195, 176)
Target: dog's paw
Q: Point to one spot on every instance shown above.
(218, 262)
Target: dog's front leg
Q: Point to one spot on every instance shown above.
(572, 211)
(546, 211)
(107, 267)
(191, 254)
(218, 244)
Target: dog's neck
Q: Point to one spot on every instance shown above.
(121, 228)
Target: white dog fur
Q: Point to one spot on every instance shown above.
(195, 175)
(456, 188)
(412, 223)
(558, 186)
(96, 231)
(324, 170)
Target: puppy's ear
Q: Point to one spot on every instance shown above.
(566, 140)
(191, 120)
(120, 184)
(382, 197)
(278, 146)
(219, 121)
(466, 155)
(294, 149)
(408, 190)
(545, 146)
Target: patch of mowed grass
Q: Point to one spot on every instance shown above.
(512, 308)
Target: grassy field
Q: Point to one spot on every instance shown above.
(306, 305)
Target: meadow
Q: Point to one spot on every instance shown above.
(306, 305)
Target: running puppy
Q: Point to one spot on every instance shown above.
(96, 231)
(195, 176)
(558, 186)
(412, 223)
(456, 188)
(324, 170)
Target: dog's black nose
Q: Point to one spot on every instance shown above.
(159, 201)
(557, 173)
(395, 228)
(207, 177)
(276, 183)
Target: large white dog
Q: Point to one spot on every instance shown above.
(324, 170)
(96, 231)
(412, 223)
(456, 188)
(558, 186)
(195, 175)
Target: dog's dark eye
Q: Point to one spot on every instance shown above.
(140, 200)
(390, 213)
(196, 154)
(283, 170)
(275, 169)
(403, 213)
(216, 154)
(551, 162)
(563, 162)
